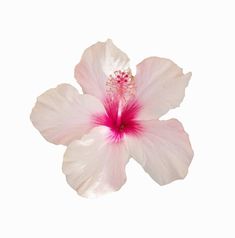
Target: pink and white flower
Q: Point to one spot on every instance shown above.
(115, 119)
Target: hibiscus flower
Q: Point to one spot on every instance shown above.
(117, 118)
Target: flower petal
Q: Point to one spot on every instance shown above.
(163, 150)
(97, 63)
(93, 165)
(160, 86)
(61, 114)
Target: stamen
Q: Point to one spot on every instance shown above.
(121, 85)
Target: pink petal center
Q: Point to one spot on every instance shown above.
(121, 119)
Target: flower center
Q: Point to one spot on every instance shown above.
(121, 106)
(122, 121)
(121, 85)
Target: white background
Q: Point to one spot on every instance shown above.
(40, 43)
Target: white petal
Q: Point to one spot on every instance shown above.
(94, 165)
(163, 150)
(97, 63)
(160, 86)
(61, 114)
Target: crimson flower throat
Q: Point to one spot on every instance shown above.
(121, 106)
